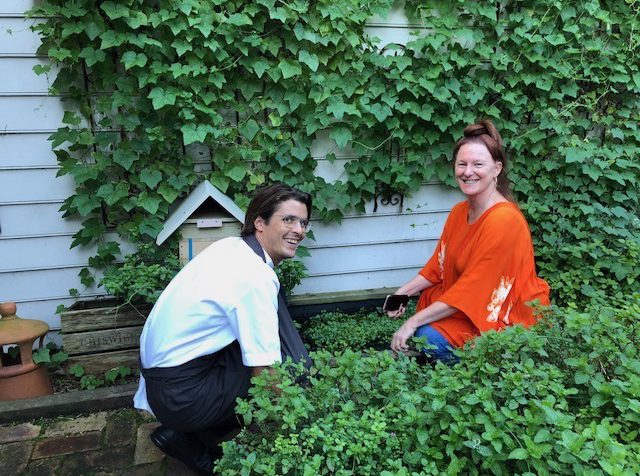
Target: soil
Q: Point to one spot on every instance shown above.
(62, 382)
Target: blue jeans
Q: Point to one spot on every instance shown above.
(443, 351)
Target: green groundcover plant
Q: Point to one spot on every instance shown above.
(559, 398)
(335, 331)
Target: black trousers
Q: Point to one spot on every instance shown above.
(199, 396)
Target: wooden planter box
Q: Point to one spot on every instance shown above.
(102, 334)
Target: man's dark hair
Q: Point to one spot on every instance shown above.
(266, 200)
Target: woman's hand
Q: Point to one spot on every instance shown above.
(397, 313)
(402, 335)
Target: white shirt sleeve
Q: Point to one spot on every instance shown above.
(254, 320)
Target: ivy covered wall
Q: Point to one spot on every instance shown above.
(255, 82)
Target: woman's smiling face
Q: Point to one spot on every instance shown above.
(475, 169)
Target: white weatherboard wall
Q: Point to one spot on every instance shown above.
(37, 266)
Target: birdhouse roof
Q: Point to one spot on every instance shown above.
(190, 204)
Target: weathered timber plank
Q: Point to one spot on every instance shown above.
(69, 403)
(340, 296)
(99, 341)
(103, 318)
(100, 363)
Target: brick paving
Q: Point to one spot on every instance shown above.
(110, 443)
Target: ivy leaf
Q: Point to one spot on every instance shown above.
(131, 59)
(149, 201)
(337, 108)
(120, 191)
(105, 190)
(151, 226)
(111, 38)
(192, 133)
(239, 19)
(41, 69)
(114, 11)
(276, 120)
(237, 173)
(380, 111)
(221, 182)
(182, 47)
(150, 177)
(342, 135)
(259, 66)
(85, 204)
(310, 59)
(92, 29)
(92, 56)
(289, 68)
(300, 152)
(124, 158)
(249, 129)
(168, 192)
(71, 118)
(161, 98)
(575, 154)
(294, 99)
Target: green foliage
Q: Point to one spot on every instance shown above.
(560, 398)
(144, 274)
(91, 381)
(256, 82)
(335, 331)
(290, 273)
(50, 355)
(112, 375)
(76, 370)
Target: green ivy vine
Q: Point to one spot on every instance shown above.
(255, 82)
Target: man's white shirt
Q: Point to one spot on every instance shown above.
(225, 293)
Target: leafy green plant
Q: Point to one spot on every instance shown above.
(116, 373)
(91, 381)
(559, 398)
(50, 355)
(76, 370)
(144, 274)
(290, 273)
(336, 331)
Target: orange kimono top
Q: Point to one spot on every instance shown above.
(486, 270)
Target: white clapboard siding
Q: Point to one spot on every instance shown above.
(58, 252)
(355, 281)
(382, 228)
(16, 36)
(28, 219)
(44, 284)
(20, 150)
(38, 184)
(37, 268)
(22, 80)
(28, 114)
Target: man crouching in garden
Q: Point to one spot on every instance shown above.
(219, 322)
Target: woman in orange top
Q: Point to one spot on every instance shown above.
(482, 273)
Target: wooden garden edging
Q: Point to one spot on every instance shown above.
(101, 335)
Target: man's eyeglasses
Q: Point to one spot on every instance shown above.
(291, 220)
